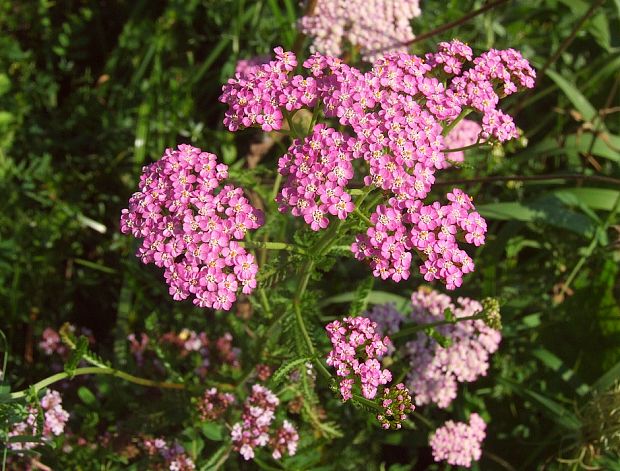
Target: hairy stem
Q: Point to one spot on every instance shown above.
(97, 371)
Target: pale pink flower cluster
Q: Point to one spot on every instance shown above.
(214, 404)
(192, 231)
(284, 440)
(174, 455)
(435, 370)
(464, 134)
(459, 443)
(54, 420)
(254, 430)
(356, 351)
(392, 119)
(387, 318)
(51, 343)
(375, 27)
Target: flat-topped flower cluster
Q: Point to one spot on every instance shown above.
(436, 370)
(255, 428)
(391, 124)
(356, 351)
(190, 227)
(459, 443)
(376, 27)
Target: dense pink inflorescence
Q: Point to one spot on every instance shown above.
(254, 430)
(375, 27)
(387, 317)
(392, 120)
(54, 420)
(465, 133)
(459, 443)
(356, 351)
(435, 370)
(191, 230)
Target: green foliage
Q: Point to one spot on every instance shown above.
(91, 91)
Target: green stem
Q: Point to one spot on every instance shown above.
(460, 149)
(458, 119)
(422, 419)
(590, 249)
(363, 216)
(418, 327)
(99, 371)
(367, 402)
(315, 117)
(268, 246)
(289, 120)
(276, 186)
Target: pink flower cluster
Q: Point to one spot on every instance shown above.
(284, 440)
(435, 370)
(374, 26)
(192, 231)
(396, 405)
(254, 429)
(317, 172)
(393, 118)
(432, 231)
(54, 420)
(356, 351)
(459, 443)
(464, 134)
(174, 456)
(214, 404)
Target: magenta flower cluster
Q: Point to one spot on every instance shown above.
(431, 230)
(465, 133)
(54, 420)
(393, 119)
(356, 351)
(254, 430)
(459, 443)
(435, 370)
(191, 230)
(375, 27)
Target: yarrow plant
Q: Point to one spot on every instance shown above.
(376, 27)
(190, 227)
(362, 149)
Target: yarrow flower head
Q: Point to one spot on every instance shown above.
(356, 351)
(459, 443)
(387, 317)
(255, 427)
(396, 403)
(54, 420)
(191, 230)
(362, 23)
(391, 119)
(435, 370)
